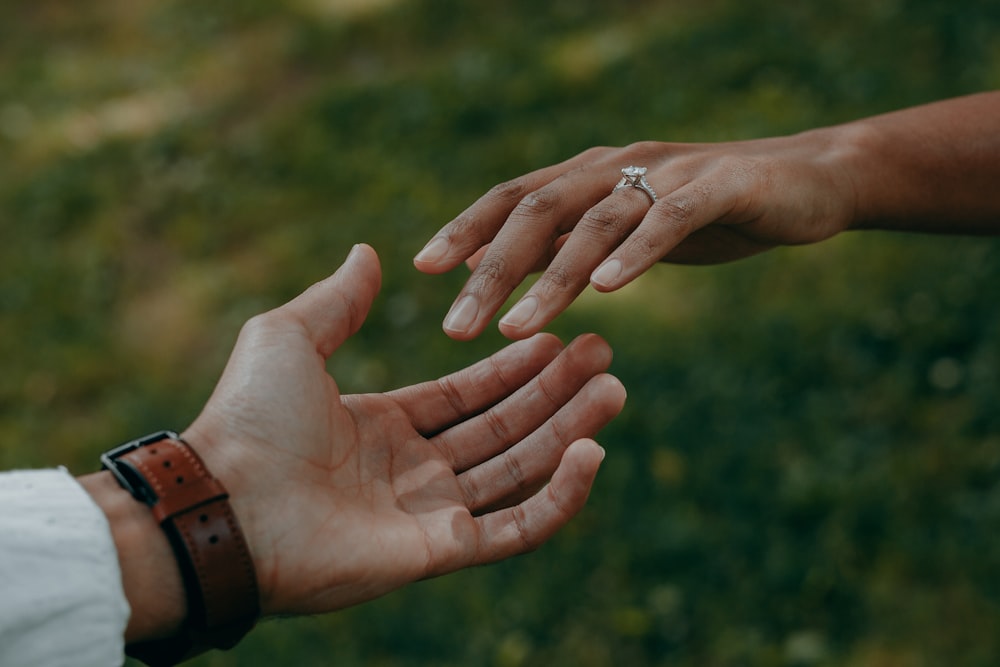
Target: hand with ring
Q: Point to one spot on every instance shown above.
(607, 215)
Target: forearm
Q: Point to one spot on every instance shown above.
(150, 575)
(932, 168)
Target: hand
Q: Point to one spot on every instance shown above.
(344, 498)
(716, 203)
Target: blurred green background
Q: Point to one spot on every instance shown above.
(807, 469)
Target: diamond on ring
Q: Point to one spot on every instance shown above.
(635, 177)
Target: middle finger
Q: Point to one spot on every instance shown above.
(471, 442)
(528, 234)
(600, 230)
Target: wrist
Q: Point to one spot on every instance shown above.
(926, 168)
(840, 154)
(167, 479)
(229, 459)
(859, 153)
(150, 575)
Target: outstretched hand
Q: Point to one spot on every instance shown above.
(928, 168)
(716, 202)
(344, 498)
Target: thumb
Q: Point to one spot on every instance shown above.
(333, 309)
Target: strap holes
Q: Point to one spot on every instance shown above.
(180, 480)
(214, 539)
(166, 464)
(203, 518)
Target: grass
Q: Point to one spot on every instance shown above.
(806, 472)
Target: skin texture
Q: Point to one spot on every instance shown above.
(345, 498)
(932, 168)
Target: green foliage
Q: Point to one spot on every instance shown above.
(806, 472)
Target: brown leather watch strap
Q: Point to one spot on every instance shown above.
(215, 563)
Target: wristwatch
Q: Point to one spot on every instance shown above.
(162, 471)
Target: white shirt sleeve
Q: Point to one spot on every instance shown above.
(61, 595)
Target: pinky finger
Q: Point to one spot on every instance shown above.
(525, 527)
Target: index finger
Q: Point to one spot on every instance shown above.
(526, 238)
(439, 404)
(477, 225)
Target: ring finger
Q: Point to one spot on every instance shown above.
(598, 233)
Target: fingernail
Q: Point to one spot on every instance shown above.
(435, 249)
(606, 273)
(603, 452)
(521, 313)
(462, 315)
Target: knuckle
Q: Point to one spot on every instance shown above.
(453, 395)
(472, 492)
(550, 391)
(604, 220)
(642, 148)
(557, 279)
(736, 164)
(515, 472)
(560, 435)
(492, 276)
(490, 270)
(527, 540)
(679, 210)
(500, 372)
(558, 502)
(355, 311)
(645, 246)
(349, 305)
(497, 426)
(595, 152)
(508, 190)
(538, 204)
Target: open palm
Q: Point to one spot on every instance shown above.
(344, 498)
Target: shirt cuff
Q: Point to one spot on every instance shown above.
(63, 602)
